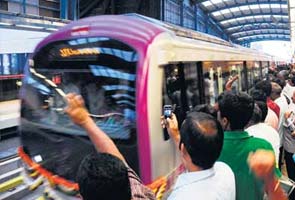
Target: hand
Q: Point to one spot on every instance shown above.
(287, 114)
(171, 124)
(76, 109)
(262, 163)
(230, 81)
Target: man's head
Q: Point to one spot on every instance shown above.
(265, 86)
(235, 110)
(256, 116)
(258, 95)
(103, 176)
(206, 108)
(201, 139)
(263, 108)
(292, 81)
(275, 91)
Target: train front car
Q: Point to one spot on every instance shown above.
(103, 62)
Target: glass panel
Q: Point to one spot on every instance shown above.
(103, 71)
(172, 11)
(264, 69)
(216, 75)
(172, 87)
(191, 82)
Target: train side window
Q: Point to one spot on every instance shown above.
(173, 89)
(182, 88)
(194, 87)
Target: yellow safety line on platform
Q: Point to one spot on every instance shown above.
(11, 183)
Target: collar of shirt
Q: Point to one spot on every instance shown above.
(236, 135)
(193, 177)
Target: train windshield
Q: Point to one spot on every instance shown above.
(103, 71)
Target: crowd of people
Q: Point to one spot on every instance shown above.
(232, 150)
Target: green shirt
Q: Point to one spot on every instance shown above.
(236, 148)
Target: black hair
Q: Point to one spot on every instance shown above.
(206, 108)
(281, 82)
(237, 108)
(258, 95)
(265, 86)
(292, 79)
(263, 107)
(256, 116)
(202, 136)
(103, 176)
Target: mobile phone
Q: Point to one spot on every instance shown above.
(167, 111)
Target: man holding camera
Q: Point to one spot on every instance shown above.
(200, 141)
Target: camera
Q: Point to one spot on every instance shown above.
(289, 123)
(167, 111)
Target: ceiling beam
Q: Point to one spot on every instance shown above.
(260, 25)
(254, 36)
(262, 39)
(251, 14)
(245, 31)
(219, 8)
(265, 21)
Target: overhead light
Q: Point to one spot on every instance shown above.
(28, 26)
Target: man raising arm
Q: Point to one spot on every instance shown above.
(103, 144)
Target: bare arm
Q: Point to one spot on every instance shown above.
(230, 81)
(172, 127)
(80, 116)
(262, 163)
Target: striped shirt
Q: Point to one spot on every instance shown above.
(138, 190)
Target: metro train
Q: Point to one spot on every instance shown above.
(126, 67)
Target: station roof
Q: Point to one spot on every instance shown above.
(248, 21)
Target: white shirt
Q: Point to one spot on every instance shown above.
(283, 104)
(288, 90)
(272, 119)
(268, 133)
(216, 183)
(288, 139)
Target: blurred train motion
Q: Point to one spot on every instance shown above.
(14, 52)
(126, 67)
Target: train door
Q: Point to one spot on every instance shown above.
(183, 87)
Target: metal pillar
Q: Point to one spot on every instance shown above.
(24, 7)
(246, 75)
(64, 9)
(74, 9)
(260, 69)
(181, 12)
(207, 24)
(201, 82)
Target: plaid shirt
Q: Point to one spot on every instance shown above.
(138, 190)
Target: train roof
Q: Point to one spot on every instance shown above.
(127, 28)
(137, 31)
(128, 25)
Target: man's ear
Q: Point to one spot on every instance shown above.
(183, 150)
(224, 121)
